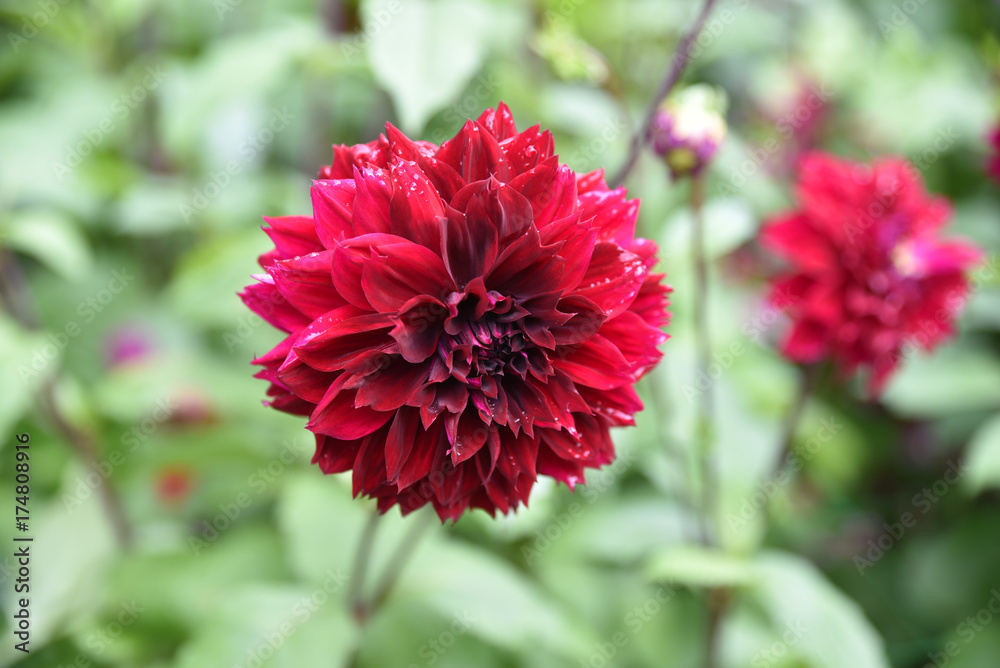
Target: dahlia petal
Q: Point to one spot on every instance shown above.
(596, 363)
(468, 245)
(526, 150)
(265, 300)
(335, 455)
(416, 208)
(636, 341)
(471, 435)
(427, 454)
(591, 181)
(794, 239)
(499, 121)
(613, 278)
(333, 201)
(306, 282)
(337, 416)
(403, 271)
(303, 380)
(806, 342)
(399, 443)
(293, 235)
(391, 386)
(475, 154)
(417, 327)
(551, 190)
(612, 214)
(332, 340)
(565, 471)
(370, 212)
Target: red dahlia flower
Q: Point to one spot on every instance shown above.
(460, 317)
(869, 272)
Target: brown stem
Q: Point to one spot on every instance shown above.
(679, 62)
(15, 294)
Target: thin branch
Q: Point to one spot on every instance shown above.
(403, 551)
(15, 294)
(679, 62)
(706, 405)
(355, 598)
(807, 383)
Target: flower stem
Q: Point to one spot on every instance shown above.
(679, 62)
(716, 597)
(807, 383)
(398, 561)
(363, 608)
(706, 403)
(355, 598)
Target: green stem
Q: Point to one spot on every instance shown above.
(706, 403)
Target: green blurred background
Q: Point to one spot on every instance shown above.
(141, 141)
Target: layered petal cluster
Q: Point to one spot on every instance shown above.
(460, 318)
(869, 270)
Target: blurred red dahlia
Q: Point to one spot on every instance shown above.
(460, 317)
(869, 271)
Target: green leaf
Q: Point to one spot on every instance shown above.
(52, 238)
(952, 380)
(982, 458)
(424, 52)
(698, 566)
(826, 627)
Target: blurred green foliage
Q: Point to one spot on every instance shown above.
(142, 141)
